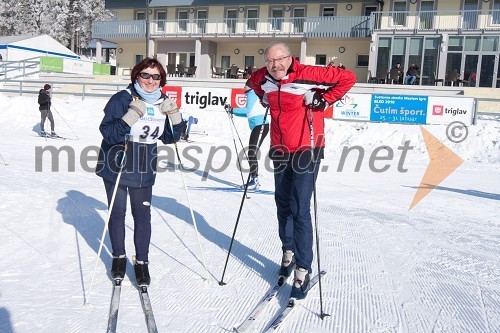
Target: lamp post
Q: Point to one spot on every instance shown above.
(147, 27)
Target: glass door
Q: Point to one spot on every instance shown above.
(487, 73)
(299, 15)
(470, 14)
(470, 69)
(231, 17)
(202, 21)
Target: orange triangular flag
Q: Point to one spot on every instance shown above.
(443, 161)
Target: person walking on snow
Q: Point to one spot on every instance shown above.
(254, 112)
(138, 117)
(293, 91)
(45, 103)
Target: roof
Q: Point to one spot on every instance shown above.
(104, 44)
(117, 4)
(38, 44)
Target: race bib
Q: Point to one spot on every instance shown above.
(150, 126)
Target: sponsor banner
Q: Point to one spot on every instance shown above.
(101, 69)
(404, 109)
(207, 99)
(51, 64)
(444, 110)
(353, 107)
(77, 67)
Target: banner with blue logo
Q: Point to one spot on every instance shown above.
(401, 109)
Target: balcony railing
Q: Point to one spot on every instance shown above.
(312, 27)
(442, 20)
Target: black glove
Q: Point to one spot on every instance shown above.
(315, 100)
(228, 109)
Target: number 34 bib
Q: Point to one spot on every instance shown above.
(150, 126)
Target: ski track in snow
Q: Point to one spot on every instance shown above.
(434, 268)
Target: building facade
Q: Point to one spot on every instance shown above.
(367, 36)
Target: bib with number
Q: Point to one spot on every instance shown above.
(150, 126)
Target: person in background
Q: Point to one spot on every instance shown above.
(255, 113)
(399, 69)
(411, 74)
(137, 118)
(44, 101)
(341, 66)
(331, 64)
(296, 94)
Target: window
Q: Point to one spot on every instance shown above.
(328, 11)
(496, 12)
(426, 14)
(276, 19)
(160, 20)
(225, 62)
(249, 61)
(455, 44)
(182, 17)
(252, 18)
(202, 15)
(171, 58)
(321, 59)
(140, 16)
(138, 58)
(299, 14)
(399, 15)
(231, 18)
(490, 43)
(369, 10)
(362, 60)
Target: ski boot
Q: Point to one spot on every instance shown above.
(118, 267)
(142, 273)
(300, 283)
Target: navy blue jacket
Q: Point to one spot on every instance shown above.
(139, 169)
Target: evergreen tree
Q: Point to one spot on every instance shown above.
(67, 21)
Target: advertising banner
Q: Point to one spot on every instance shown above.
(207, 99)
(77, 67)
(401, 109)
(51, 64)
(352, 107)
(444, 110)
(101, 69)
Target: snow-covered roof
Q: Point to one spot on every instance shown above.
(38, 44)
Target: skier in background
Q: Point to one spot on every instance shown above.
(45, 102)
(254, 112)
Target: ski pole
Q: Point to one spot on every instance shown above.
(110, 209)
(4, 163)
(315, 207)
(229, 115)
(181, 168)
(76, 136)
(221, 282)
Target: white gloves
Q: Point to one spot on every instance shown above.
(170, 109)
(136, 109)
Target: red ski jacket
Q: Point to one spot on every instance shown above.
(289, 114)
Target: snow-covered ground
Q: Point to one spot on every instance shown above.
(434, 268)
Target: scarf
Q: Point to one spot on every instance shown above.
(148, 97)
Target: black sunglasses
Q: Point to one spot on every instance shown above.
(147, 76)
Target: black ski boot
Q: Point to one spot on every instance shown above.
(142, 273)
(118, 267)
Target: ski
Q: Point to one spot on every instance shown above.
(114, 306)
(148, 310)
(270, 294)
(55, 137)
(292, 304)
